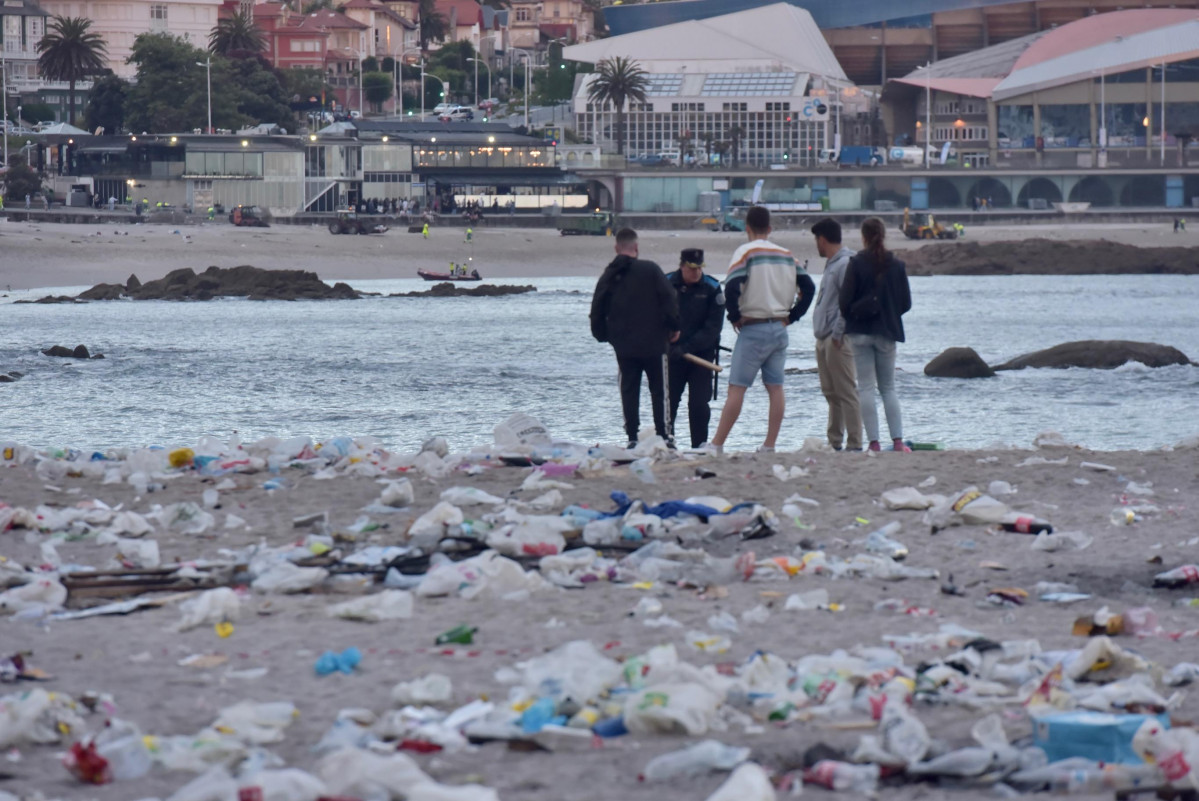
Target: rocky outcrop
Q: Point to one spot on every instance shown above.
(1048, 257)
(216, 282)
(79, 352)
(103, 292)
(1098, 354)
(958, 363)
(447, 289)
(51, 299)
(10, 377)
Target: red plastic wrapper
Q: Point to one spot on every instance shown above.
(86, 765)
(419, 746)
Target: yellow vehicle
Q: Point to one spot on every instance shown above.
(914, 227)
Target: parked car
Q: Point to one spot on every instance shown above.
(456, 114)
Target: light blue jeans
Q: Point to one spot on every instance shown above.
(874, 359)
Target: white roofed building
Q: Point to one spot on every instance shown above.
(753, 87)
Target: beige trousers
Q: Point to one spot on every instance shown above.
(838, 384)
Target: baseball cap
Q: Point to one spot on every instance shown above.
(692, 256)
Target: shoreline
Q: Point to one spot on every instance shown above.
(45, 256)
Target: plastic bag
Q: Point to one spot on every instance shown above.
(214, 785)
(354, 772)
(434, 688)
(44, 593)
(185, 518)
(487, 575)
(256, 723)
(432, 791)
(470, 496)
(286, 784)
(398, 494)
(285, 577)
(906, 498)
(218, 605)
(749, 782)
(705, 756)
(433, 523)
(533, 537)
(138, 553)
(522, 429)
(902, 733)
(576, 670)
(671, 708)
(386, 605)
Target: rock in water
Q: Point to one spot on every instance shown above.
(60, 352)
(133, 284)
(447, 289)
(1099, 354)
(103, 292)
(958, 363)
(216, 282)
(81, 352)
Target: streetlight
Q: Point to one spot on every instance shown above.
(928, 112)
(488, 66)
(348, 49)
(4, 108)
(399, 88)
(207, 65)
(444, 90)
(528, 65)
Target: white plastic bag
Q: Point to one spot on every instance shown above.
(432, 791)
(671, 708)
(576, 670)
(138, 553)
(433, 523)
(749, 782)
(285, 577)
(256, 723)
(47, 593)
(521, 429)
(531, 537)
(385, 605)
(906, 498)
(363, 774)
(286, 784)
(470, 496)
(487, 575)
(435, 688)
(398, 494)
(209, 607)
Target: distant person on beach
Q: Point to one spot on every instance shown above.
(635, 310)
(834, 354)
(424, 231)
(765, 291)
(26, 201)
(701, 316)
(874, 298)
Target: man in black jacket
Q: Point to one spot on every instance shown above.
(701, 311)
(635, 309)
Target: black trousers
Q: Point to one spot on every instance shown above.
(698, 383)
(654, 368)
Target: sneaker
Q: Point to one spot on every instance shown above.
(874, 446)
(765, 449)
(899, 446)
(708, 449)
(632, 444)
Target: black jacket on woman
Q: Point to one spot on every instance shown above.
(862, 276)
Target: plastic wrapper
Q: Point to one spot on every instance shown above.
(435, 688)
(42, 593)
(671, 708)
(285, 577)
(749, 782)
(218, 605)
(385, 605)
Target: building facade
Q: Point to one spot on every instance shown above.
(22, 25)
(119, 22)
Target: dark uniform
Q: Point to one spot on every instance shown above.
(701, 311)
(635, 310)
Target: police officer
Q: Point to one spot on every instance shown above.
(701, 310)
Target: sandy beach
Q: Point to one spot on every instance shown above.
(36, 254)
(136, 658)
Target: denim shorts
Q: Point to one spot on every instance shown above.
(759, 347)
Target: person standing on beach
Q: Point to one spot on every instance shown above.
(873, 300)
(834, 354)
(635, 310)
(701, 312)
(766, 290)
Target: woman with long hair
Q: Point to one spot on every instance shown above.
(874, 298)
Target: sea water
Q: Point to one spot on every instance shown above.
(403, 369)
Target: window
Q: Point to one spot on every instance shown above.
(778, 106)
(734, 106)
(522, 14)
(158, 17)
(557, 11)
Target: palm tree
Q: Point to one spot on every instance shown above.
(236, 35)
(618, 80)
(734, 135)
(70, 52)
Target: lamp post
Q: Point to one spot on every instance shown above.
(928, 112)
(348, 49)
(4, 108)
(208, 66)
(488, 68)
(1163, 115)
(528, 65)
(399, 89)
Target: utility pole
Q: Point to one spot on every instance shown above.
(207, 64)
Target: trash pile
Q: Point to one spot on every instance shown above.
(1095, 718)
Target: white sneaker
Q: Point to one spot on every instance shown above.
(765, 449)
(708, 449)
